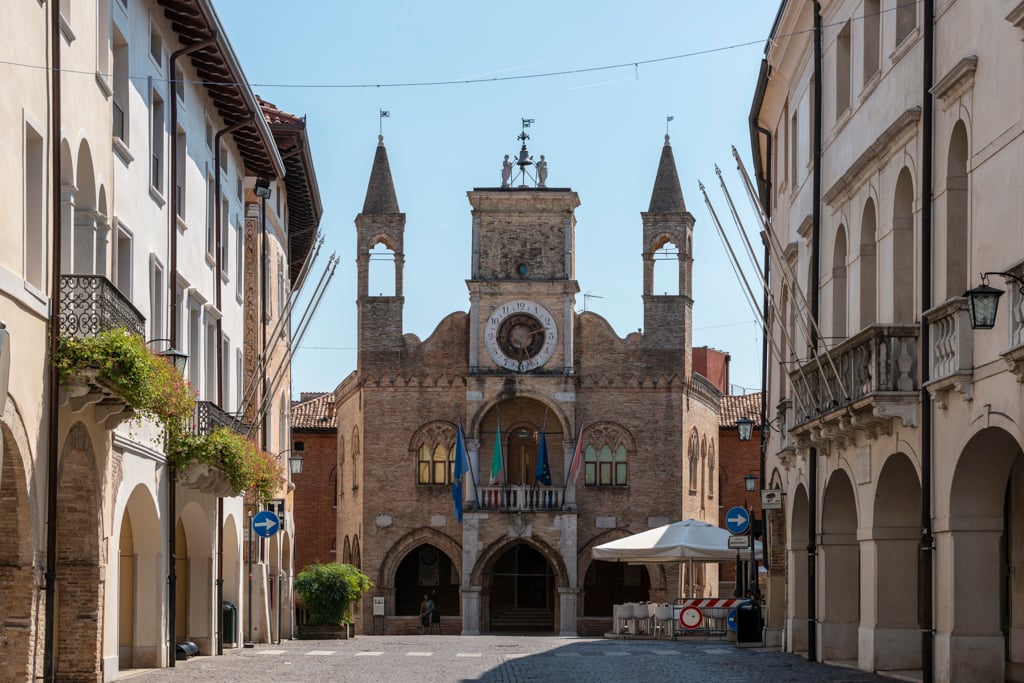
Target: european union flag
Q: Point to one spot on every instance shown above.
(460, 458)
(543, 473)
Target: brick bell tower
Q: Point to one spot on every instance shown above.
(523, 285)
(380, 222)
(668, 318)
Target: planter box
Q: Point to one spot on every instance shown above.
(323, 632)
(207, 479)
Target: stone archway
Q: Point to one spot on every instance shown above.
(140, 583)
(797, 589)
(18, 604)
(80, 567)
(522, 582)
(893, 549)
(839, 572)
(232, 575)
(193, 570)
(983, 617)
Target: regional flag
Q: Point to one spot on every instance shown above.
(460, 457)
(543, 473)
(577, 459)
(496, 462)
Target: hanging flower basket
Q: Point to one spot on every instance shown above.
(223, 463)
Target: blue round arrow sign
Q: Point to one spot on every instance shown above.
(265, 523)
(737, 520)
(730, 622)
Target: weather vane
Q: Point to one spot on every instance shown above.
(523, 161)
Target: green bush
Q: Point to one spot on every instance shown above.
(146, 381)
(328, 591)
(248, 468)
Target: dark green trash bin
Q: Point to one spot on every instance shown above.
(229, 623)
(748, 623)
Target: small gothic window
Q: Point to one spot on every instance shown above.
(711, 469)
(434, 445)
(693, 456)
(606, 456)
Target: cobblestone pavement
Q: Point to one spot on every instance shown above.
(500, 659)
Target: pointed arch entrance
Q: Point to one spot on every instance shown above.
(521, 591)
(426, 570)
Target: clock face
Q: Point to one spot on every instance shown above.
(520, 335)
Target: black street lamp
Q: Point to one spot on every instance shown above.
(179, 359)
(295, 460)
(983, 301)
(750, 482)
(745, 426)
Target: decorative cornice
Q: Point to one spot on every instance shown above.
(874, 154)
(956, 81)
(1016, 16)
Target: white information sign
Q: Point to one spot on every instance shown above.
(378, 607)
(739, 542)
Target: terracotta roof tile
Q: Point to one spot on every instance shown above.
(734, 407)
(316, 413)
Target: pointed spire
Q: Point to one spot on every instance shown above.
(667, 196)
(380, 193)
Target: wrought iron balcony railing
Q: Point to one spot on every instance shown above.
(208, 417)
(90, 304)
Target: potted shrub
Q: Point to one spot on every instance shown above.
(328, 591)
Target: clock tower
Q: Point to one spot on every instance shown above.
(523, 285)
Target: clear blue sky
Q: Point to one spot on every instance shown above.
(601, 133)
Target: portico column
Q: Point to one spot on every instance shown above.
(471, 611)
(567, 611)
(67, 221)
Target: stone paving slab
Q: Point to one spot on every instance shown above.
(501, 659)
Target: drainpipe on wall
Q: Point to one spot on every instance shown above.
(812, 516)
(53, 405)
(925, 571)
(218, 608)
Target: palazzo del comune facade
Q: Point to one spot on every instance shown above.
(524, 359)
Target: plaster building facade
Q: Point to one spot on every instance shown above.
(134, 162)
(521, 372)
(890, 169)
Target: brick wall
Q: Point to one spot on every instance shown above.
(714, 365)
(315, 498)
(737, 458)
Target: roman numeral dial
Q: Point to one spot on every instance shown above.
(520, 335)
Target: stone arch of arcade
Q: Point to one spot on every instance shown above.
(193, 593)
(982, 537)
(839, 571)
(17, 548)
(405, 553)
(607, 583)
(140, 582)
(80, 561)
(520, 580)
(797, 549)
(893, 551)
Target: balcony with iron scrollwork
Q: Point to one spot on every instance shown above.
(860, 386)
(90, 304)
(208, 416)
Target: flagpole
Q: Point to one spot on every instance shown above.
(469, 466)
(572, 461)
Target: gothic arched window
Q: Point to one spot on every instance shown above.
(606, 455)
(434, 445)
(693, 458)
